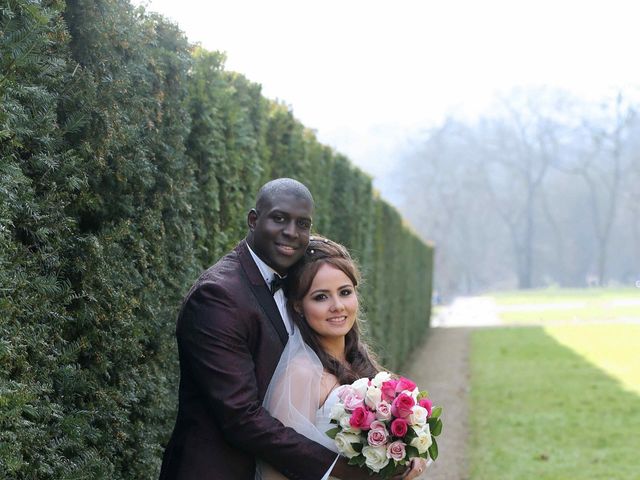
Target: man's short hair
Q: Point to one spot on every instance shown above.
(281, 186)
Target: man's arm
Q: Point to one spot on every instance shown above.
(215, 344)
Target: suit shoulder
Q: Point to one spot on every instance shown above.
(224, 277)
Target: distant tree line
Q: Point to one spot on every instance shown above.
(542, 190)
(128, 161)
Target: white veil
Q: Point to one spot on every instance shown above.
(293, 396)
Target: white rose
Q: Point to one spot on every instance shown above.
(360, 386)
(346, 426)
(337, 411)
(418, 415)
(380, 378)
(423, 441)
(422, 429)
(344, 441)
(373, 397)
(376, 457)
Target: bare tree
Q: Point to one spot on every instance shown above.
(533, 193)
(602, 166)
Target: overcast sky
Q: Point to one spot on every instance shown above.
(368, 74)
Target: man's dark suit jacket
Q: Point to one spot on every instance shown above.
(230, 338)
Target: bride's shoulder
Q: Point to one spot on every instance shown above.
(328, 384)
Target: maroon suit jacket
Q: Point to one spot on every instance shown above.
(230, 338)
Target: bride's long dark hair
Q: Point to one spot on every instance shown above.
(321, 251)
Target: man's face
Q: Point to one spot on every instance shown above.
(280, 230)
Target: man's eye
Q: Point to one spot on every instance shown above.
(305, 224)
(278, 218)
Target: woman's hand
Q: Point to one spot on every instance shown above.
(415, 469)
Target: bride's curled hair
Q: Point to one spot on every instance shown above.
(320, 251)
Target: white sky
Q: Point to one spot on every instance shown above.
(368, 74)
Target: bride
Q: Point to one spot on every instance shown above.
(324, 351)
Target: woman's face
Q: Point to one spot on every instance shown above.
(331, 304)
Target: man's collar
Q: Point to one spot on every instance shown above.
(265, 270)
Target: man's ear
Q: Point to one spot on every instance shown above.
(252, 218)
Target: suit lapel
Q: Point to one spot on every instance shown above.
(261, 291)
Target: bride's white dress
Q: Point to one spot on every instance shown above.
(293, 398)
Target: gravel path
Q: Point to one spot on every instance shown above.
(442, 367)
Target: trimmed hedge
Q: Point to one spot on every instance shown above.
(128, 161)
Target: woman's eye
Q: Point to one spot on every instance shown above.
(320, 297)
(346, 292)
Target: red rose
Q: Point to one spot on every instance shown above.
(402, 405)
(389, 390)
(399, 427)
(405, 384)
(361, 418)
(426, 404)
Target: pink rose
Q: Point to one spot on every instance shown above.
(383, 411)
(389, 390)
(378, 425)
(402, 405)
(377, 437)
(344, 391)
(405, 384)
(361, 418)
(396, 450)
(399, 427)
(352, 400)
(427, 405)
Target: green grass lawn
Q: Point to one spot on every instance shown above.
(557, 402)
(568, 305)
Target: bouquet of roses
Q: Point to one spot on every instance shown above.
(382, 423)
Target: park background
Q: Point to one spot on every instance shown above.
(130, 155)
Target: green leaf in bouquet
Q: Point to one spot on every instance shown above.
(423, 394)
(392, 468)
(437, 428)
(334, 431)
(411, 434)
(435, 413)
(412, 451)
(357, 447)
(358, 460)
(433, 449)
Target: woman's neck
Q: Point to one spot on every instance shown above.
(335, 347)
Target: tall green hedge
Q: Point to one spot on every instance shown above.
(128, 160)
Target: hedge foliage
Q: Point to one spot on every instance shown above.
(128, 160)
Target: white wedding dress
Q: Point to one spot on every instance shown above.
(293, 398)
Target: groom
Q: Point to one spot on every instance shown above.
(231, 331)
